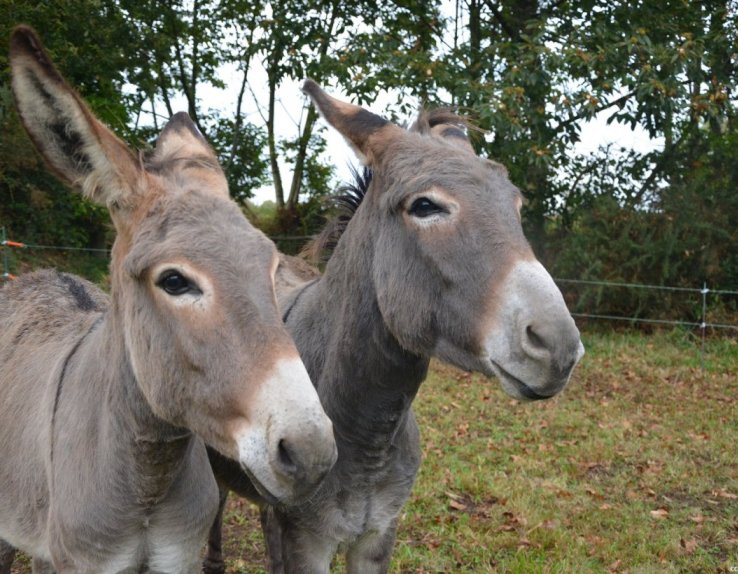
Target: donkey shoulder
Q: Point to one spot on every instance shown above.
(48, 301)
(293, 272)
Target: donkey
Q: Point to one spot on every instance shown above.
(431, 262)
(105, 401)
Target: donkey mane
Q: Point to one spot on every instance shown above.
(345, 202)
(349, 195)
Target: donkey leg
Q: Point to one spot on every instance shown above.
(292, 550)
(372, 552)
(214, 563)
(273, 540)
(7, 555)
(272, 531)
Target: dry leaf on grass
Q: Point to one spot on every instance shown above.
(689, 545)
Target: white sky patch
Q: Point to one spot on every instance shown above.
(597, 132)
(291, 109)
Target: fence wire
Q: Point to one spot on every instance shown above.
(703, 325)
(704, 292)
(644, 286)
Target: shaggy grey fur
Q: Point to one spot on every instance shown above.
(396, 291)
(104, 400)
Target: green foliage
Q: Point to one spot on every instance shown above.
(533, 74)
(397, 53)
(239, 148)
(683, 235)
(530, 72)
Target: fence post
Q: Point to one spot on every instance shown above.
(6, 269)
(703, 326)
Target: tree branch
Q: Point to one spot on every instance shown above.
(573, 119)
(548, 12)
(307, 132)
(238, 122)
(189, 94)
(195, 53)
(312, 116)
(259, 109)
(165, 97)
(272, 144)
(497, 13)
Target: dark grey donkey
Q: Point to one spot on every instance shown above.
(103, 400)
(433, 263)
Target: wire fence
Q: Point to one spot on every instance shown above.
(703, 293)
(703, 325)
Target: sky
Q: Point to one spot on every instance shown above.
(595, 133)
(292, 107)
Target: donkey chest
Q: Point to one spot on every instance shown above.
(354, 512)
(132, 527)
(156, 544)
(370, 484)
(159, 552)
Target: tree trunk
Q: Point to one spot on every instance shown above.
(307, 132)
(514, 16)
(192, 96)
(272, 144)
(312, 116)
(238, 121)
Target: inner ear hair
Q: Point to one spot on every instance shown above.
(77, 147)
(47, 108)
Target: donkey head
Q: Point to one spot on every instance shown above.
(453, 273)
(193, 308)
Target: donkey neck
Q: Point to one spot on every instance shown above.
(132, 447)
(366, 381)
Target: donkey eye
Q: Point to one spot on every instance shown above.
(174, 283)
(424, 207)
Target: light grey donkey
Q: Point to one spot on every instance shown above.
(105, 401)
(430, 261)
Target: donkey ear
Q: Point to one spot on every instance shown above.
(454, 135)
(181, 139)
(77, 146)
(445, 124)
(181, 146)
(367, 133)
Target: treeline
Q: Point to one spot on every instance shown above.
(529, 72)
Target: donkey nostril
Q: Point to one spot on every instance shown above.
(535, 340)
(285, 458)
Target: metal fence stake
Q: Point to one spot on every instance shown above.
(703, 326)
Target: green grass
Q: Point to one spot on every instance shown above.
(634, 468)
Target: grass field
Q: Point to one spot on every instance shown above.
(634, 468)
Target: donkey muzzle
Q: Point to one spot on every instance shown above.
(288, 446)
(534, 343)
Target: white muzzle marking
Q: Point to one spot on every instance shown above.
(533, 344)
(286, 411)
